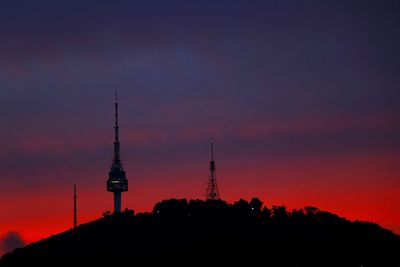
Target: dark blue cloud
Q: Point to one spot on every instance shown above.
(197, 69)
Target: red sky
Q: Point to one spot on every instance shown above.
(348, 188)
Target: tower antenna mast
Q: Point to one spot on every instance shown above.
(212, 187)
(75, 211)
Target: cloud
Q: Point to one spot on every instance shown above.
(10, 241)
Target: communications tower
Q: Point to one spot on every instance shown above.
(117, 182)
(75, 211)
(212, 187)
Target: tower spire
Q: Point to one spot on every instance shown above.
(212, 150)
(75, 211)
(117, 157)
(117, 182)
(212, 187)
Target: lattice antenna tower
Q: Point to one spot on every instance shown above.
(212, 187)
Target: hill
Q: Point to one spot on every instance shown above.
(195, 232)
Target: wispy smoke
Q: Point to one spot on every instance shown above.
(10, 241)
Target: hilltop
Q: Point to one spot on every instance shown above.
(195, 232)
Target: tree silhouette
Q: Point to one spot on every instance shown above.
(279, 213)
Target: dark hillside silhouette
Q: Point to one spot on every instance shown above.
(195, 232)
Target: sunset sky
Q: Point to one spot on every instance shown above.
(302, 99)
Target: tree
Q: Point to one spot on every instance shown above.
(279, 213)
(256, 205)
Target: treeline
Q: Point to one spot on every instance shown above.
(196, 232)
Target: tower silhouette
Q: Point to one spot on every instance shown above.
(75, 212)
(212, 187)
(117, 182)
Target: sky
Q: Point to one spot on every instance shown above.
(302, 99)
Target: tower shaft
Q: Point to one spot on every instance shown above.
(212, 187)
(117, 201)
